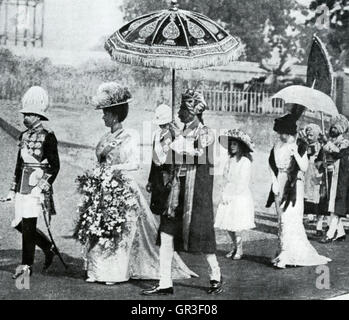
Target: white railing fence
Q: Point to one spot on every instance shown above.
(80, 92)
(242, 101)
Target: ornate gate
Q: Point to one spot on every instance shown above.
(22, 22)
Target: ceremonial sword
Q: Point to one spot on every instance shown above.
(44, 211)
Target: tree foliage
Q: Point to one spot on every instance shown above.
(334, 15)
(263, 25)
(24, 71)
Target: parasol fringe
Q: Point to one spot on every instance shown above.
(179, 63)
(149, 41)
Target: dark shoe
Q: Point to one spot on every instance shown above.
(157, 291)
(326, 239)
(49, 258)
(340, 239)
(319, 233)
(21, 271)
(216, 287)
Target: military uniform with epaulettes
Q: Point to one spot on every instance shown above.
(37, 167)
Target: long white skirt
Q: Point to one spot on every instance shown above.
(137, 257)
(237, 214)
(296, 250)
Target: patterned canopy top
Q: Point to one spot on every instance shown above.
(173, 33)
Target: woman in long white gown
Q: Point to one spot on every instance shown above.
(288, 163)
(136, 255)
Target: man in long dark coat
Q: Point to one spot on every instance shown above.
(188, 222)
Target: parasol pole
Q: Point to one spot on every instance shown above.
(322, 122)
(173, 93)
(324, 156)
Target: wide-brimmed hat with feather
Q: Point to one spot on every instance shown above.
(236, 134)
(111, 94)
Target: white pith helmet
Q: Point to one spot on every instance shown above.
(163, 114)
(35, 101)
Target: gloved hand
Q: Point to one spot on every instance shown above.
(303, 134)
(148, 187)
(331, 147)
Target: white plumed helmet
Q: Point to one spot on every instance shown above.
(35, 101)
(163, 114)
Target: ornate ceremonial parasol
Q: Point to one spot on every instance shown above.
(174, 39)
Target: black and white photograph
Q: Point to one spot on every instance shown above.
(157, 151)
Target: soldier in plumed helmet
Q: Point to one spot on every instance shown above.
(36, 169)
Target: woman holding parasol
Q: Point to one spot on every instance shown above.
(288, 163)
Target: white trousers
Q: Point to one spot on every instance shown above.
(336, 224)
(166, 256)
(26, 206)
(319, 224)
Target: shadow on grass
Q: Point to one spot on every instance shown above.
(12, 258)
(264, 260)
(258, 259)
(266, 228)
(195, 287)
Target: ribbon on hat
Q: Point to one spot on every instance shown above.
(193, 101)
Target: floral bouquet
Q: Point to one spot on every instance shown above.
(107, 198)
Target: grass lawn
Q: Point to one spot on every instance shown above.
(251, 278)
(83, 125)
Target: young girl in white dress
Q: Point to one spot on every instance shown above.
(236, 210)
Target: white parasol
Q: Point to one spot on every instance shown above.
(312, 99)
